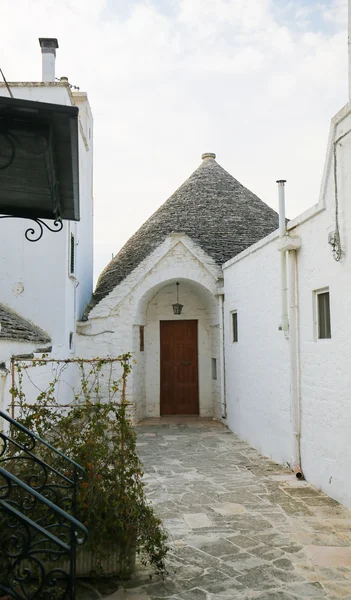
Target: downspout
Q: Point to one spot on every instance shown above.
(294, 348)
(222, 355)
(284, 321)
(290, 323)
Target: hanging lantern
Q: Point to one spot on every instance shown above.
(177, 308)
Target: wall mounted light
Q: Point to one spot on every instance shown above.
(177, 308)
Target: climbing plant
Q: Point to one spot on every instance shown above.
(96, 431)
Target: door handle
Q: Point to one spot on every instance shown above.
(184, 362)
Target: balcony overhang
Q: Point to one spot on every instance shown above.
(39, 174)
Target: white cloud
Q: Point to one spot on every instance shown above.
(232, 76)
(336, 11)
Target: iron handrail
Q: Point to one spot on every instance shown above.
(31, 456)
(26, 552)
(14, 512)
(56, 509)
(39, 439)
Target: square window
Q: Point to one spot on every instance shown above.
(323, 315)
(214, 368)
(234, 326)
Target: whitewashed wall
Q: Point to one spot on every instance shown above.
(257, 369)
(34, 277)
(113, 325)
(8, 349)
(257, 366)
(325, 364)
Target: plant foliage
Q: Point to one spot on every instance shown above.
(96, 431)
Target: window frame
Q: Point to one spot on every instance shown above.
(71, 341)
(234, 326)
(317, 321)
(141, 338)
(214, 368)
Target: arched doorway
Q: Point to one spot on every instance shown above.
(176, 370)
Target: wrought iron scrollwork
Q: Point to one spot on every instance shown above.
(29, 559)
(31, 234)
(39, 531)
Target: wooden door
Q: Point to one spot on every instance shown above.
(179, 368)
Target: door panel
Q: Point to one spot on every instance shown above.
(179, 368)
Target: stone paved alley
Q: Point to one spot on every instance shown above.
(240, 525)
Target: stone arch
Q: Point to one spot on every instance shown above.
(154, 305)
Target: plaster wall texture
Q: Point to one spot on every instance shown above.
(8, 349)
(215, 337)
(257, 366)
(325, 363)
(113, 325)
(36, 378)
(35, 277)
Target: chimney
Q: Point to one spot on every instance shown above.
(48, 51)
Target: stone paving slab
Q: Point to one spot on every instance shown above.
(241, 526)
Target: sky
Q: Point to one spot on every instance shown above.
(255, 81)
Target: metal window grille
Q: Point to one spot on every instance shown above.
(235, 326)
(323, 308)
(72, 265)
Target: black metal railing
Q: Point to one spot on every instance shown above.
(38, 526)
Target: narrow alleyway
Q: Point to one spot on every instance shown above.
(240, 525)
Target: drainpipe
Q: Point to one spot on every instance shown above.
(294, 348)
(222, 355)
(284, 322)
(290, 324)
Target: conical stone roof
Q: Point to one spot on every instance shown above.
(16, 327)
(211, 207)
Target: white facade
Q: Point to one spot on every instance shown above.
(145, 298)
(288, 395)
(259, 385)
(35, 277)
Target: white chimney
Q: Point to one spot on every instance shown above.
(48, 51)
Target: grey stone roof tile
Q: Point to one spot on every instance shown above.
(212, 208)
(15, 327)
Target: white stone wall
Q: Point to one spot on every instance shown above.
(257, 377)
(325, 364)
(34, 277)
(113, 325)
(257, 370)
(7, 349)
(35, 379)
